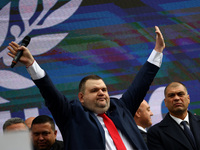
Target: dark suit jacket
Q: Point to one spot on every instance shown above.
(144, 135)
(80, 127)
(168, 135)
(58, 145)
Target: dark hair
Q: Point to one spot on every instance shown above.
(44, 119)
(83, 81)
(12, 121)
(174, 84)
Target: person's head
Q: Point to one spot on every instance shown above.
(14, 124)
(177, 99)
(143, 115)
(28, 121)
(43, 132)
(93, 94)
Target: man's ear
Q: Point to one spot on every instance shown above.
(80, 97)
(55, 132)
(137, 114)
(189, 98)
(165, 102)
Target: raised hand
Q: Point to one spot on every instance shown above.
(27, 58)
(160, 43)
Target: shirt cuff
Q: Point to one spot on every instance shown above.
(155, 58)
(35, 71)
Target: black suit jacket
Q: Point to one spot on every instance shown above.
(144, 135)
(80, 127)
(168, 135)
(58, 145)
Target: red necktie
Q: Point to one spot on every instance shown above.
(113, 132)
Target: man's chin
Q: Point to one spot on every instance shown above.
(179, 111)
(102, 104)
(42, 147)
(102, 109)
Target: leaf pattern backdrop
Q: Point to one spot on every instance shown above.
(111, 38)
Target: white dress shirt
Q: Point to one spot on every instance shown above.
(178, 120)
(141, 128)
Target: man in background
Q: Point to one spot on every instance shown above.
(180, 129)
(16, 135)
(143, 118)
(44, 134)
(28, 121)
(14, 124)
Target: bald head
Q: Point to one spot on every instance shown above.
(174, 85)
(143, 115)
(29, 121)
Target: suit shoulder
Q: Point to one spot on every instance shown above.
(154, 127)
(197, 116)
(194, 115)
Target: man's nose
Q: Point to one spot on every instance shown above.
(176, 97)
(100, 92)
(41, 137)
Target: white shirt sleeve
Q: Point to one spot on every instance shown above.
(36, 72)
(155, 58)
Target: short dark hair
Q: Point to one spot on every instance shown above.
(83, 81)
(43, 119)
(174, 84)
(12, 121)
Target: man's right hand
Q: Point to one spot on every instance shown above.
(27, 58)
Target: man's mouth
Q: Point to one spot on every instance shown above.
(101, 99)
(178, 104)
(42, 144)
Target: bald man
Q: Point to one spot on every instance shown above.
(143, 118)
(171, 133)
(29, 121)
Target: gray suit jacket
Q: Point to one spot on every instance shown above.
(168, 135)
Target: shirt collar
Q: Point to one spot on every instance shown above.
(141, 128)
(178, 120)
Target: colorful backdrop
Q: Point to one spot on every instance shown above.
(111, 38)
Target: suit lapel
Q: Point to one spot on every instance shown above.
(99, 126)
(116, 117)
(174, 131)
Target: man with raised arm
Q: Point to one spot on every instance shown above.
(85, 123)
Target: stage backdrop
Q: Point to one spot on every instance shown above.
(111, 38)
